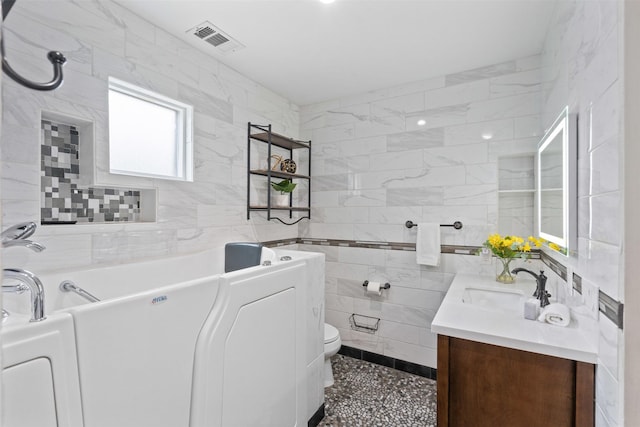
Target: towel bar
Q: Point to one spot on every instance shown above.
(457, 225)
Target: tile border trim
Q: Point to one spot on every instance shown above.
(389, 362)
(612, 309)
(398, 246)
(576, 283)
(557, 267)
(609, 307)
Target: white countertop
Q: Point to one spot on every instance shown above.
(508, 328)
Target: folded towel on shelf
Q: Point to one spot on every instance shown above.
(428, 244)
(556, 314)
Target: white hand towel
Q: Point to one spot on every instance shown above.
(556, 314)
(428, 244)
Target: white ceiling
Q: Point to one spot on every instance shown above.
(311, 52)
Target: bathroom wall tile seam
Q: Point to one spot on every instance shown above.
(333, 120)
(609, 334)
(513, 67)
(607, 394)
(345, 132)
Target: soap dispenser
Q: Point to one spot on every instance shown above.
(531, 308)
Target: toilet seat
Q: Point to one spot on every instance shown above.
(331, 334)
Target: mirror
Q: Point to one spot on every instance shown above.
(556, 183)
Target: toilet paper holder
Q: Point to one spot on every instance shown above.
(385, 286)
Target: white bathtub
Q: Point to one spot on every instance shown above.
(175, 343)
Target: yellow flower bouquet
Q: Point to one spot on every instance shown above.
(508, 248)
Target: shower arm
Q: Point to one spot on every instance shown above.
(57, 59)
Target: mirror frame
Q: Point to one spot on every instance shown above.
(567, 125)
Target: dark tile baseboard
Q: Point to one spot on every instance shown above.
(317, 417)
(390, 362)
(356, 353)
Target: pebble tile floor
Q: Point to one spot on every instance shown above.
(366, 394)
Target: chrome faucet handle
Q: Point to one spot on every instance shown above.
(18, 231)
(34, 246)
(18, 288)
(31, 282)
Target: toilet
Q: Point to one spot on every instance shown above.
(332, 344)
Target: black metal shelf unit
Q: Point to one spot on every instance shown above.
(285, 145)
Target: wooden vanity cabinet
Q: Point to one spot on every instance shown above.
(487, 385)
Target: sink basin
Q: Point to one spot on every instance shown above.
(501, 299)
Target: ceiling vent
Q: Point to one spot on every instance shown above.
(213, 35)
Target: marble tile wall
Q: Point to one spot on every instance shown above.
(375, 168)
(102, 39)
(581, 65)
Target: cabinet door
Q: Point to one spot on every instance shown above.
(487, 385)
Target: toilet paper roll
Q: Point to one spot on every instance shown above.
(374, 288)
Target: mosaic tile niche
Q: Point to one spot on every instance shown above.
(63, 201)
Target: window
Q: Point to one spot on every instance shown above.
(150, 135)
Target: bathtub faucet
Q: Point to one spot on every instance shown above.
(27, 282)
(17, 235)
(34, 246)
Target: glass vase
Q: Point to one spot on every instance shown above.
(504, 271)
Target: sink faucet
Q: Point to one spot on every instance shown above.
(541, 281)
(16, 235)
(27, 282)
